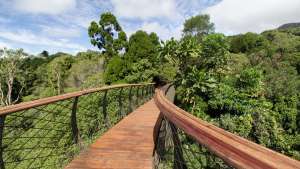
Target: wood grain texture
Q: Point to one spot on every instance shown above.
(128, 145)
(233, 149)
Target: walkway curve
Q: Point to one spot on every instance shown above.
(128, 145)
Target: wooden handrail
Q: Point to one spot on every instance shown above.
(234, 150)
(27, 105)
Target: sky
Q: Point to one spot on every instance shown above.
(61, 25)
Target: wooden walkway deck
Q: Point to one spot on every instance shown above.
(128, 145)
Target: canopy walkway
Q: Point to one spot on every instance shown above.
(129, 144)
(122, 126)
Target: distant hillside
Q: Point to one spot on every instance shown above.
(289, 25)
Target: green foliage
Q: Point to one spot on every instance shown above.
(84, 65)
(42, 136)
(253, 92)
(250, 81)
(12, 77)
(141, 71)
(241, 125)
(57, 71)
(93, 81)
(187, 53)
(248, 42)
(107, 35)
(282, 42)
(248, 84)
(215, 51)
(114, 71)
(142, 46)
(198, 25)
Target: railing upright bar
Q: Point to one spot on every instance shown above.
(179, 162)
(75, 131)
(137, 96)
(104, 104)
(130, 100)
(121, 112)
(2, 122)
(142, 93)
(147, 93)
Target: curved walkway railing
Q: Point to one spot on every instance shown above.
(47, 133)
(185, 141)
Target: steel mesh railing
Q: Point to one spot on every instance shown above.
(175, 149)
(184, 141)
(52, 131)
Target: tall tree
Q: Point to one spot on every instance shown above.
(57, 71)
(10, 75)
(198, 25)
(44, 53)
(142, 45)
(107, 35)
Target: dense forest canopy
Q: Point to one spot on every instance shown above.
(247, 84)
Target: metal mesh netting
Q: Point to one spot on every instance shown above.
(49, 136)
(177, 150)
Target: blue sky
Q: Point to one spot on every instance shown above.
(61, 25)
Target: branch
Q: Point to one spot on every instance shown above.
(17, 99)
(1, 95)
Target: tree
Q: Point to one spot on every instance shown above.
(215, 52)
(44, 53)
(115, 70)
(107, 35)
(57, 71)
(247, 43)
(142, 58)
(11, 76)
(142, 45)
(198, 25)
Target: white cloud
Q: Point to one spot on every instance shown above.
(27, 37)
(237, 16)
(4, 45)
(56, 31)
(44, 6)
(163, 31)
(145, 9)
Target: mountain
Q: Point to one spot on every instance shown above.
(290, 25)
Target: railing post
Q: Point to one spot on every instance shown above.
(179, 162)
(120, 103)
(143, 97)
(152, 90)
(2, 120)
(75, 131)
(130, 100)
(137, 96)
(146, 92)
(106, 118)
(149, 91)
(160, 141)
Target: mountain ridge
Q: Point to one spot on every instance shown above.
(290, 25)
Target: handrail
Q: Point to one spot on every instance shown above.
(234, 150)
(39, 102)
(49, 132)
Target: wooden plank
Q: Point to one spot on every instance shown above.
(128, 145)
